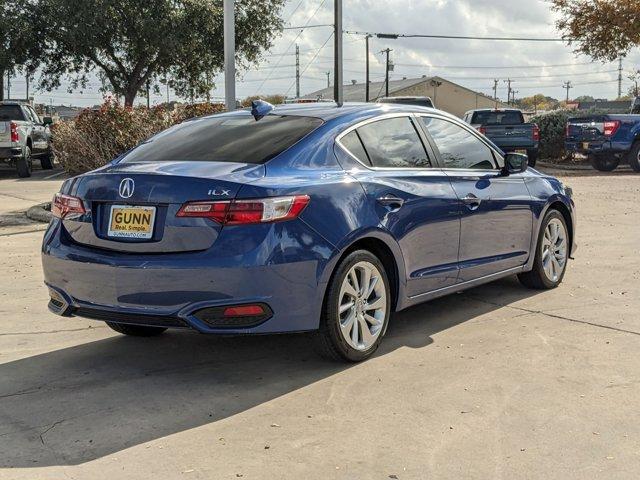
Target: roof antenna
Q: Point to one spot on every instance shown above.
(260, 109)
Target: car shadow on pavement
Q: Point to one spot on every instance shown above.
(81, 403)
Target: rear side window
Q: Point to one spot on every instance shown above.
(225, 139)
(509, 117)
(11, 112)
(458, 147)
(353, 144)
(394, 143)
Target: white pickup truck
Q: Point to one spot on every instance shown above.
(23, 137)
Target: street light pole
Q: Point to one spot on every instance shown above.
(229, 55)
(386, 78)
(338, 90)
(367, 88)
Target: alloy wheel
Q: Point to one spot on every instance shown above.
(362, 306)
(554, 250)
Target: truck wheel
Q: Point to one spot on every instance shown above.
(533, 158)
(604, 163)
(634, 157)
(46, 161)
(24, 164)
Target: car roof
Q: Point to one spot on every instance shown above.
(495, 110)
(329, 111)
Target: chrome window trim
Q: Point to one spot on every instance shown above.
(378, 118)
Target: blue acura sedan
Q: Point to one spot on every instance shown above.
(301, 218)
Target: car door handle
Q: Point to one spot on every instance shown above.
(393, 203)
(471, 201)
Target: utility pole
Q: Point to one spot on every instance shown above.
(495, 91)
(366, 80)
(387, 68)
(620, 77)
(167, 92)
(229, 25)
(338, 90)
(567, 86)
(328, 79)
(513, 96)
(26, 79)
(508, 81)
(9, 85)
(148, 94)
(297, 71)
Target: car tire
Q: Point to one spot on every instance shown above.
(46, 161)
(136, 330)
(604, 163)
(634, 157)
(342, 334)
(24, 164)
(533, 158)
(552, 254)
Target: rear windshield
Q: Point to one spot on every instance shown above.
(419, 102)
(509, 117)
(11, 112)
(225, 139)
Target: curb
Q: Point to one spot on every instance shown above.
(40, 213)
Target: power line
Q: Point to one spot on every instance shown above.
(309, 26)
(310, 62)
(501, 67)
(456, 37)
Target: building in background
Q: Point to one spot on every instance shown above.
(446, 95)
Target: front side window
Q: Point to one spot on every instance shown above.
(239, 139)
(394, 143)
(458, 147)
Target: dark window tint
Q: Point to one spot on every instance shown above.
(225, 139)
(394, 143)
(458, 147)
(351, 142)
(507, 117)
(417, 101)
(11, 112)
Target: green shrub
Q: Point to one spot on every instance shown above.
(97, 136)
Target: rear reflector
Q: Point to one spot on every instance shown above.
(244, 212)
(64, 206)
(235, 316)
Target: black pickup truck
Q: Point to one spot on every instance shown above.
(507, 129)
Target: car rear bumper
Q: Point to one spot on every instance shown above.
(596, 147)
(173, 290)
(9, 153)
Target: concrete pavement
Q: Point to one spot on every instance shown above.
(498, 382)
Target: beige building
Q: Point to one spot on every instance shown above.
(446, 95)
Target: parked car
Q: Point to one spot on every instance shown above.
(635, 106)
(24, 136)
(416, 101)
(606, 139)
(301, 218)
(508, 130)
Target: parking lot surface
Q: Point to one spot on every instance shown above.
(498, 382)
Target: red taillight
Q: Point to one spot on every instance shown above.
(482, 130)
(610, 128)
(567, 130)
(244, 311)
(63, 206)
(536, 133)
(15, 138)
(243, 212)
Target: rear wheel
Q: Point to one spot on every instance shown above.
(634, 157)
(356, 308)
(552, 254)
(136, 330)
(604, 163)
(533, 157)
(24, 164)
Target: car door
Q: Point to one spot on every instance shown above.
(414, 200)
(39, 132)
(495, 210)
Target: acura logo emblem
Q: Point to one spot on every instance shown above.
(126, 188)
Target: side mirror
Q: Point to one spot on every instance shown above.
(515, 163)
(47, 121)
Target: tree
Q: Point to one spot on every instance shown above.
(20, 45)
(538, 102)
(132, 42)
(584, 98)
(604, 30)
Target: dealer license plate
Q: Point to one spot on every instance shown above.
(128, 221)
(585, 145)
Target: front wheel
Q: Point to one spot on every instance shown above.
(552, 254)
(136, 330)
(356, 308)
(533, 157)
(46, 161)
(604, 163)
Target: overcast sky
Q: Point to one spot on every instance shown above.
(534, 67)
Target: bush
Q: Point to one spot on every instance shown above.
(97, 136)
